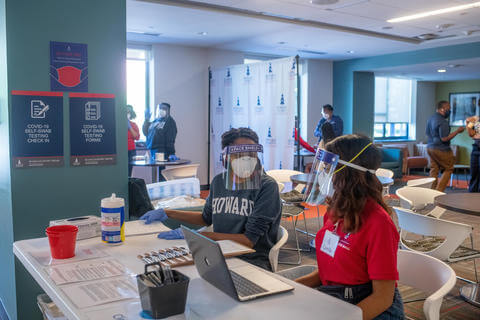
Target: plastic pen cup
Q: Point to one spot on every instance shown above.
(62, 241)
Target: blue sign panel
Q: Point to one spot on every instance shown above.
(92, 129)
(37, 122)
(68, 67)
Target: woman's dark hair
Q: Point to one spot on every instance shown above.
(233, 134)
(328, 107)
(130, 110)
(353, 187)
(327, 132)
(166, 105)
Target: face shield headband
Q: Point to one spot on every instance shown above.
(243, 164)
(320, 185)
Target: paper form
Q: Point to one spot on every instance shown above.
(231, 247)
(81, 253)
(90, 294)
(85, 271)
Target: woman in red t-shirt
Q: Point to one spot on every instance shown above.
(133, 134)
(357, 246)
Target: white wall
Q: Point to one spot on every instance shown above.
(320, 92)
(220, 58)
(425, 107)
(181, 79)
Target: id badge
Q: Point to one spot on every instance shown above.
(330, 243)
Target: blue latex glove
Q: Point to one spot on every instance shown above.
(154, 215)
(129, 124)
(173, 157)
(148, 114)
(171, 235)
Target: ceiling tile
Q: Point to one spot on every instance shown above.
(374, 10)
(418, 5)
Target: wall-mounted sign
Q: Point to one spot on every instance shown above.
(68, 67)
(92, 129)
(37, 125)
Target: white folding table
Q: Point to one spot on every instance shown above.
(203, 302)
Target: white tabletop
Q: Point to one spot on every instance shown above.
(203, 302)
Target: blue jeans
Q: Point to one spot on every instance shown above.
(355, 294)
(474, 185)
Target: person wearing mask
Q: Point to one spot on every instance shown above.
(132, 135)
(473, 128)
(357, 246)
(161, 132)
(328, 116)
(438, 145)
(244, 202)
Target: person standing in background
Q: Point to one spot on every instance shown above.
(473, 128)
(161, 132)
(335, 121)
(133, 134)
(438, 146)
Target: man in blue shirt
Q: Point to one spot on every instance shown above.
(438, 147)
(335, 121)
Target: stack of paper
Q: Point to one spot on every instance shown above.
(138, 228)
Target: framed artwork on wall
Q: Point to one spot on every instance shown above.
(464, 105)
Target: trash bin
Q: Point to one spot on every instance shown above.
(49, 309)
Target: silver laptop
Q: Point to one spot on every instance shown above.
(243, 283)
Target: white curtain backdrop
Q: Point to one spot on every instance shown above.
(261, 96)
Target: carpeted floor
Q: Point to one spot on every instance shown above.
(453, 306)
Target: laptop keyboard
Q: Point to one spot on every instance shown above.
(244, 286)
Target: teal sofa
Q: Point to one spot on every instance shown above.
(392, 159)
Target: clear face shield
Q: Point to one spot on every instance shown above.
(244, 166)
(320, 184)
(161, 111)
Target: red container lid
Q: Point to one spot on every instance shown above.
(62, 229)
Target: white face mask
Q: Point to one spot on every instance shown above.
(243, 167)
(162, 113)
(326, 116)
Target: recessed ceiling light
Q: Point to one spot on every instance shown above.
(444, 26)
(435, 12)
(350, 51)
(442, 70)
(202, 33)
(387, 27)
(281, 42)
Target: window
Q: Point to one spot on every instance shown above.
(137, 82)
(394, 109)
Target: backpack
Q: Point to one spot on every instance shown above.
(138, 199)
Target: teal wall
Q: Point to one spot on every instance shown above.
(43, 194)
(363, 102)
(443, 89)
(343, 77)
(7, 282)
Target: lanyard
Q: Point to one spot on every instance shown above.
(335, 231)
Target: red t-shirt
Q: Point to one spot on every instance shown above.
(131, 141)
(368, 254)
